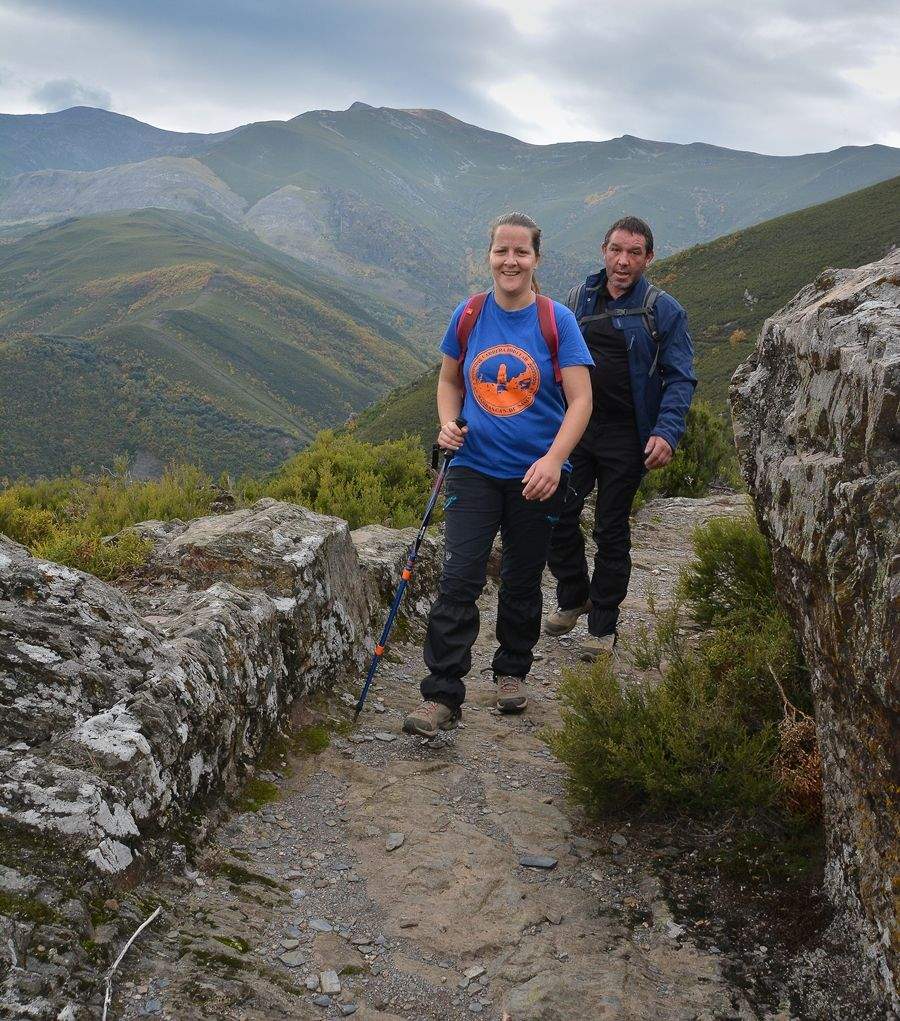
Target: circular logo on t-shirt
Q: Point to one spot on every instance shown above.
(504, 379)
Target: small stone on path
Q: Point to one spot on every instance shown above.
(320, 925)
(394, 840)
(538, 861)
(294, 958)
(383, 735)
(330, 982)
(322, 1001)
(474, 971)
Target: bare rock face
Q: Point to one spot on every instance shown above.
(122, 708)
(118, 712)
(383, 553)
(816, 422)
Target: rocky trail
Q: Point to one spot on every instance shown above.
(387, 877)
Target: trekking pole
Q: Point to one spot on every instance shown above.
(407, 573)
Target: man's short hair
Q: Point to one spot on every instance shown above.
(633, 225)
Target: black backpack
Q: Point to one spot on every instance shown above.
(647, 311)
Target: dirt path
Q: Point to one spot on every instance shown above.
(398, 864)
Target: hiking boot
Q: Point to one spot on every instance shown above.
(594, 648)
(431, 717)
(511, 694)
(562, 621)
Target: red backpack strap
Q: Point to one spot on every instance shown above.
(466, 323)
(547, 319)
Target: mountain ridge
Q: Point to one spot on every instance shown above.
(361, 192)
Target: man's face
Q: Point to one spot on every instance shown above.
(625, 256)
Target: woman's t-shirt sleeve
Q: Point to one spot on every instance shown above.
(450, 343)
(572, 348)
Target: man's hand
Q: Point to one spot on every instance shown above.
(658, 452)
(542, 478)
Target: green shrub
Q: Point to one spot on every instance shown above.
(364, 483)
(705, 455)
(88, 552)
(65, 519)
(650, 647)
(730, 581)
(755, 667)
(676, 744)
(722, 729)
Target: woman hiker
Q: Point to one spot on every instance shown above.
(516, 369)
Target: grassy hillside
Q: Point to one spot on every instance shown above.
(397, 202)
(178, 338)
(733, 284)
(729, 287)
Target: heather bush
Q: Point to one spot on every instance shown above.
(364, 483)
(727, 726)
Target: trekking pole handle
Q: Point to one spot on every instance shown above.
(460, 423)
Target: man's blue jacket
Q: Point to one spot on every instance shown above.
(662, 376)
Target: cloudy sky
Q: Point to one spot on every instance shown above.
(776, 76)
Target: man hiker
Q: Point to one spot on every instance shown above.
(643, 382)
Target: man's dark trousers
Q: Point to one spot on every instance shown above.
(476, 506)
(609, 454)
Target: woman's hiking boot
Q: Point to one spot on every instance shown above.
(561, 622)
(431, 717)
(511, 696)
(593, 648)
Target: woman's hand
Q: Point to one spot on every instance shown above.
(451, 437)
(542, 478)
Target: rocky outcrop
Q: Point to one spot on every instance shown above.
(119, 710)
(382, 553)
(122, 708)
(816, 422)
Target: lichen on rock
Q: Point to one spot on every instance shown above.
(815, 413)
(121, 707)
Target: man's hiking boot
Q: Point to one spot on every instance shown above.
(431, 717)
(511, 696)
(593, 648)
(561, 622)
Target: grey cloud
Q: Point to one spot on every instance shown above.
(771, 76)
(386, 52)
(63, 93)
(774, 76)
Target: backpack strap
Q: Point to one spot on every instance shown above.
(466, 324)
(649, 312)
(574, 297)
(546, 318)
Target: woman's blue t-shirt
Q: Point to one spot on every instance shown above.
(513, 405)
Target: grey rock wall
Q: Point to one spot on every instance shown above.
(815, 413)
(123, 708)
(382, 554)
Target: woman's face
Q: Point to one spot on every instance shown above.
(512, 260)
